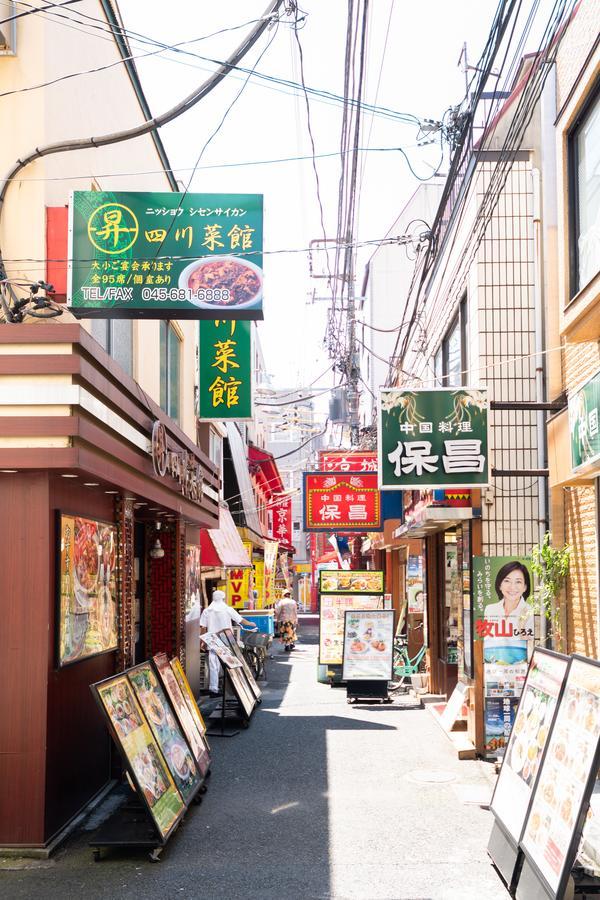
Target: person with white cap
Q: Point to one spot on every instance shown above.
(217, 616)
(286, 615)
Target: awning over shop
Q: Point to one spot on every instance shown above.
(432, 519)
(223, 546)
(242, 473)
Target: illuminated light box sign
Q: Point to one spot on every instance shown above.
(341, 503)
(165, 255)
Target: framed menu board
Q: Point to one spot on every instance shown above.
(194, 737)
(561, 795)
(368, 645)
(228, 637)
(331, 622)
(533, 721)
(141, 753)
(345, 581)
(232, 669)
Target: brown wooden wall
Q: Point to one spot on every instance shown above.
(78, 745)
(25, 596)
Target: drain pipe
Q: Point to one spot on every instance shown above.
(540, 368)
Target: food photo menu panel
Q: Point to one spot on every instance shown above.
(561, 795)
(368, 645)
(331, 623)
(533, 721)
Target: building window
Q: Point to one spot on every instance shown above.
(116, 337)
(215, 448)
(296, 526)
(170, 368)
(451, 361)
(584, 159)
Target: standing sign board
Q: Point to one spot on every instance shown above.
(562, 792)
(331, 622)
(432, 438)
(224, 370)
(368, 645)
(228, 638)
(192, 731)
(524, 751)
(141, 753)
(351, 581)
(232, 669)
(165, 255)
(336, 502)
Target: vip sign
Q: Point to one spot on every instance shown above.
(432, 439)
(337, 503)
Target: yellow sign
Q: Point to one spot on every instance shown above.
(113, 228)
(259, 582)
(239, 582)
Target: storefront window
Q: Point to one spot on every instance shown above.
(585, 188)
(450, 362)
(451, 599)
(170, 366)
(116, 337)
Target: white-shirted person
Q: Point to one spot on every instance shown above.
(217, 616)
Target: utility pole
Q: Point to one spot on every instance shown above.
(353, 371)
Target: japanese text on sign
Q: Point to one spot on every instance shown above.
(337, 502)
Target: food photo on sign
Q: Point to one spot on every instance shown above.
(368, 644)
(166, 255)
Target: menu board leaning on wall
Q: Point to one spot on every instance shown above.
(533, 721)
(561, 795)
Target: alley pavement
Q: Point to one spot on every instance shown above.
(317, 799)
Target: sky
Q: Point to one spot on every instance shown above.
(412, 66)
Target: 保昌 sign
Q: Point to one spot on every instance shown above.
(584, 423)
(224, 370)
(165, 255)
(336, 502)
(432, 438)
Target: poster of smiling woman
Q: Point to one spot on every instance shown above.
(505, 621)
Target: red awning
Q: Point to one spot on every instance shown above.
(223, 546)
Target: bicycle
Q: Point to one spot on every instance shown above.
(256, 646)
(403, 665)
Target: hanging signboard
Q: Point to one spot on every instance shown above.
(584, 424)
(331, 622)
(368, 645)
(348, 461)
(239, 582)
(341, 502)
(270, 555)
(165, 255)
(343, 581)
(432, 439)
(561, 795)
(225, 370)
(281, 518)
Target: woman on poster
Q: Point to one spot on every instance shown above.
(512, 616)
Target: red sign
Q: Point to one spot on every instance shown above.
(281, 518)
(337, 503)
(348, 461)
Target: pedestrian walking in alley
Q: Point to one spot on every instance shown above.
(215, 617)
(286, 616)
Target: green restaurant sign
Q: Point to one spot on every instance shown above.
(584, 423)
(432, 438)
(165, 255)
(225, 370)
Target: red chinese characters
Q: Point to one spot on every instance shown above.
(351, 461)
(281, 519)
(336, 502)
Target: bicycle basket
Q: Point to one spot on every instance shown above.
(257, 640)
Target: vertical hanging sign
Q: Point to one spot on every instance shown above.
(225, 370)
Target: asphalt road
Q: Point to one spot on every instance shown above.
(317, 799)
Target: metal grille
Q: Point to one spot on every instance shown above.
(505, 263)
